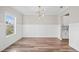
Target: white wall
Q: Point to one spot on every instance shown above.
(6, 41)
(74, 28)
(74, 35)
(46, 20)
(47, 26)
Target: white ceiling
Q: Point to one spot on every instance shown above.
(32, 10)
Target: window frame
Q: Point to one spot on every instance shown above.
(6, 14)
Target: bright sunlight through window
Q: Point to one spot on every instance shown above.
(10, 25)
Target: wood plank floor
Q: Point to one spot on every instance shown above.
(40, 45)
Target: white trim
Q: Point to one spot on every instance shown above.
(10, 35)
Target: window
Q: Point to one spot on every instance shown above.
(10, 25)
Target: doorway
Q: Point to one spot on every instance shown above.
(65, 32)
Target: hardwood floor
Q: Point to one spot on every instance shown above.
(40, 45)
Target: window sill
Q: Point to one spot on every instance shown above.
(10, 35)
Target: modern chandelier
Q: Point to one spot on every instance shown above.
(41, 11)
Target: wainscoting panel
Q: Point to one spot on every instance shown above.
(40, 30)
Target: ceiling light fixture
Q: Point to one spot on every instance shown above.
(41, 11)
(61, 6)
